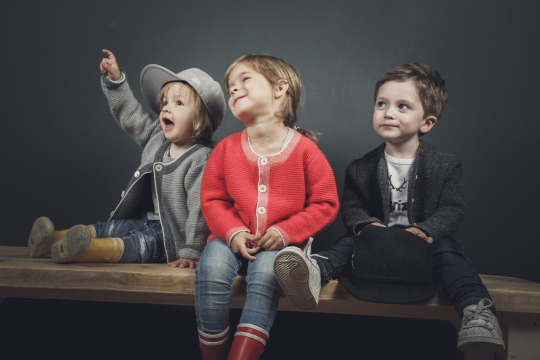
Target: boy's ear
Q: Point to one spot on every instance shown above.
(428, 124)
(281, 88)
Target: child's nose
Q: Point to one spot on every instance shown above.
(390, 112)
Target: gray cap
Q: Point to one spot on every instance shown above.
(154, 77)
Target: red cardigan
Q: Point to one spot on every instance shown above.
(293, 192)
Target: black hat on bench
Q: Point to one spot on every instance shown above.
(390, 265)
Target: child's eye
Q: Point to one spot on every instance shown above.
(245, 78)
(403, 107)
(380, 104)
(179, 103)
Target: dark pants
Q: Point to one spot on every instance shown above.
(459, 277)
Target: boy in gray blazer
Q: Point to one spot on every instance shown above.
(403, 183)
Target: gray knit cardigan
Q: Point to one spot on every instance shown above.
(177, 183)
(435, 195)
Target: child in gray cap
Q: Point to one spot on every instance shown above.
(159, 217)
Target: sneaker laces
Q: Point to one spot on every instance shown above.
(307, 249)
(481, 316)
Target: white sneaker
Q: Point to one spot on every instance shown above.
(480, 328)
(299, 276)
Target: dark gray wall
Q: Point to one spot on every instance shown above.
(63, 156)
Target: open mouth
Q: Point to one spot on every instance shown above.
(168, 124)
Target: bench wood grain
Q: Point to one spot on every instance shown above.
(517, 300)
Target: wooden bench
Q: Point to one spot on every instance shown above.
(517, 301)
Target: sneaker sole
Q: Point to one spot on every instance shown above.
(292, 274)
(72, 245)
(40, 237)
(482, 343)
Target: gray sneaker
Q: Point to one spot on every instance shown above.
(480, 328)
(39, 242)
(74, 244)
(299, 277)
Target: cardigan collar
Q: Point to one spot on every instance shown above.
(164, 148)
(274, 158)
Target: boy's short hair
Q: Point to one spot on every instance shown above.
(203, 125)
(428, 81)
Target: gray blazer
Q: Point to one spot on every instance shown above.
(435, 194)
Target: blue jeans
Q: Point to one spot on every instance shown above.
(458, 275)
(214, 275)
(143, 238)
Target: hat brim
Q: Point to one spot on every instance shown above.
(153, 78)
(390, 265)
(392, 293)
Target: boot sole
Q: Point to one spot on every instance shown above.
(72, 245)
(40, 237)
(292, 274)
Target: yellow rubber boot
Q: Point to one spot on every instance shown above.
(79, 246)
(42, 237)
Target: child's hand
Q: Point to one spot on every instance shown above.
(417, 231)
(184, 263)
(245, 244)
(109, 67)
(271, 240)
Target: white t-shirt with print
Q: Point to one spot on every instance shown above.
(398, 181)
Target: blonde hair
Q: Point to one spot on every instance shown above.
(203, 126)
(274, 71)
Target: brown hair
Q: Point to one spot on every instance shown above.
(203, 126)
(275, 70)
(429, 84)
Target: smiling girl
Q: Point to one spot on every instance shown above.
(263, 189)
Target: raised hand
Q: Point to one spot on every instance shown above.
(109, 66)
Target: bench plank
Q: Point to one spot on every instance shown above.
(517, 300)
(22, 276)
